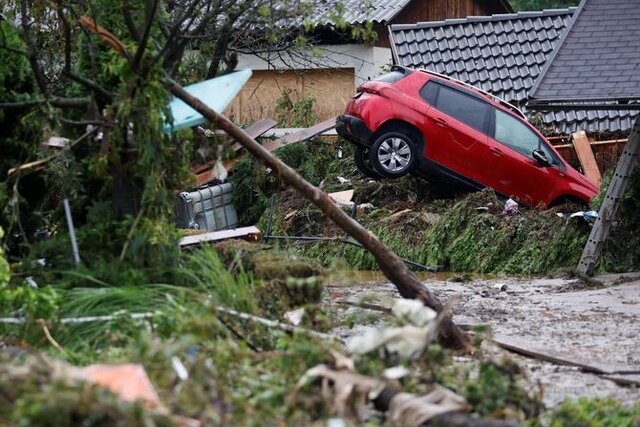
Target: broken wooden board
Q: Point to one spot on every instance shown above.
(560, 358)
(254, 130)
(302, 135)
(251, 233)
(586, 157)
(305, 134)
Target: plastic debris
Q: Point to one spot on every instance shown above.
(179, 368)
(510, 207)
(499, 287)
(295, 316)
(413, 311)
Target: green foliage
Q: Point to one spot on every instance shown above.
(594, 413)
(293, 110)
(542, 4)
(5, 271)
(496, 388)
(28, 302)
(205, 272)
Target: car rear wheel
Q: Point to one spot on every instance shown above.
(361, 159)
(393, 154)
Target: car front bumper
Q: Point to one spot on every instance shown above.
(353, 129)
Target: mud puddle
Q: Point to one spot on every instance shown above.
(567, 316)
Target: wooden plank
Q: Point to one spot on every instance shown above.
(615, 191)
(586, 157)
(251, 233)
(302, 135)
(254, 130)
(558, 357)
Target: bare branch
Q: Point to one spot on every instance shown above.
(38, 73)
(53, 101)
(151, 9)
(90, 84)
(128, 19)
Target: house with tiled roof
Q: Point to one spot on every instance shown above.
(331, 77)
(506, 54)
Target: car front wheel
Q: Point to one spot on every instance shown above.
(393, 154)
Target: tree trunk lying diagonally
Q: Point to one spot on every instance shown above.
(391, 265)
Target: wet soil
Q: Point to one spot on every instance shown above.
(581, 321)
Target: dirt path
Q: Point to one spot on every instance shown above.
(597, 325)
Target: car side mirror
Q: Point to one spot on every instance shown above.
(540, 157)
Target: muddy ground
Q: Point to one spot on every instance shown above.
(596, 324)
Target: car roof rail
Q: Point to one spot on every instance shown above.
(484, 92)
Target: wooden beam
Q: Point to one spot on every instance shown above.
(251, 234)
(615, 191)
(586, 157)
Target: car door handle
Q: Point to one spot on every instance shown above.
(441, 122)
(496, 152)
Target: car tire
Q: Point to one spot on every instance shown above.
(361, 159)
(393, 154)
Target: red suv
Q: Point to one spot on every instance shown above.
(424, 123)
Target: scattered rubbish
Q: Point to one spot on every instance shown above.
(57, 142)
(295, 316)
(413, 311)
(510, 207)
(408, 409)
(72, 232)
(251, 234)
(31, 282)
(589, 216)
(179, 368)
(208, 208)
(343, 180)
(396, 372)
(348, 394)
(342, 198)
(407, 341)
(128, 381)
(215, 93)
(499, 287)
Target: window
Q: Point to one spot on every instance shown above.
(391, 77)
(516, 135)
(429, 92)
(463, 107)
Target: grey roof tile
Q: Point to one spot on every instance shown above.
(504, 54)
(606, 35)
(355, 11)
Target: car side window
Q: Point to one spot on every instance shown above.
(463, 107)
(514, 134)
(429, 92)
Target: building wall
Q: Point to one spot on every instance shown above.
(329, 73)
(330, 88)
(438, 10)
